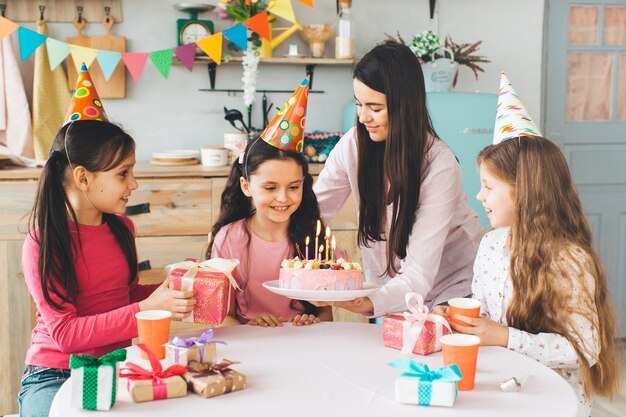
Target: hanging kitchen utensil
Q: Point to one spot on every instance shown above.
(115, 87)
(234, 115)
(80, 40)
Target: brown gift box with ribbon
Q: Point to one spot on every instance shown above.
(156, 383)
(143, 390)
(212, 380)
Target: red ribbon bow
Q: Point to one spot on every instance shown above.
(135, 372)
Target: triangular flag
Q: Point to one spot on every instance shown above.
(307, 2)
(512, 119)
(186, 54)
(135, 62)
(7, 27)
(162, 60)
(57, 52)
(29, 41)
(108, 61)
(212, 46)
(283, 9)
(82, 54)
(238, 35)
(259, 23)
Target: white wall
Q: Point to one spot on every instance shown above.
(165, 114)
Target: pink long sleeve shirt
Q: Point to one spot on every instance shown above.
(103, 316)
(444, 238)
(259, 261)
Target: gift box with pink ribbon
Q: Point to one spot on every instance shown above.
(416, 330)
(202, 349)
(212, 280)
(156, 383)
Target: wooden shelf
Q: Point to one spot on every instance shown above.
(284, 61)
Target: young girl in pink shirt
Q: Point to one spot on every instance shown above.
(267, 208)
(80, 261)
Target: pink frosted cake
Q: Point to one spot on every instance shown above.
(310, 274)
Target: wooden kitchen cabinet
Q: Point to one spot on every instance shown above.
(183, 204)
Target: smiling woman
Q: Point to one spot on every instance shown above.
(414, 222)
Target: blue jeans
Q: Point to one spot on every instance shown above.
(39, 386)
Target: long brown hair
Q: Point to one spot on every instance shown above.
(399, 162)
(97, 146)
(552, 251)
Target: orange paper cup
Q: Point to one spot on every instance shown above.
(467, 307)
(154, 330)
(461, 350)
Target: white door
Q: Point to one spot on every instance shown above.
(585, 113)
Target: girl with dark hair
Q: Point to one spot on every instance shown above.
(79, 259)
(268, 208)
(416, 231)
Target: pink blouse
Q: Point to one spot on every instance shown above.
(443, 241)
(259, 261)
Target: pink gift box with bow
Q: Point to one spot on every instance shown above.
(416, 330)
(212, 280)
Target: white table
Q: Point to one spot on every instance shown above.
(340, 369)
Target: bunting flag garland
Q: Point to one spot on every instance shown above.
(212, 46)
(57, 52)
(238, 35)
(162, 60)
(260, 24)
(29, 41)
(283, 8)
(186, 54)
(7, 27)
(108, 61)
(135, 62)
(82, 54)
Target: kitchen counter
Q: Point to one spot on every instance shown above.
(143, 170)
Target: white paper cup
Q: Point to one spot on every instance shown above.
(214, 156)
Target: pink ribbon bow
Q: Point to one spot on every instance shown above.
(415, 319)
(156, 374)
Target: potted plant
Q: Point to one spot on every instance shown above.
(440, 63)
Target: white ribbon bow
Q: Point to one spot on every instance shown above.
(414, 321)
(224, 266)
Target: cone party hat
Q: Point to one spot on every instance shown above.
(512, 119)
(85, 103)
(286, 130)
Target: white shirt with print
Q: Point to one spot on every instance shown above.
(493, 287)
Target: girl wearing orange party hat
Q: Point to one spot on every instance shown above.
(541, 283)
(79, 258)
(267, 209)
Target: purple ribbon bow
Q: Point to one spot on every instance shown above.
(206, 337)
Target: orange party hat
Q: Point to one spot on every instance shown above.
(286, 129)
(85, 103)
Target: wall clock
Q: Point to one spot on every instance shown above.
(193, 29)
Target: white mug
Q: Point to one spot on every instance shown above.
(213, 156)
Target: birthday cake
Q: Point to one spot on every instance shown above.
(310, 274)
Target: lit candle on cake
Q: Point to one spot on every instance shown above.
(306, 247)
(333, 245)
(326, 237)
(317, 236)
(320, 252)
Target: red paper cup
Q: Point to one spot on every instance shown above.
(467, 307)
(154, 330)
(461, 350)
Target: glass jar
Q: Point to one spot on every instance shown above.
(344, 41)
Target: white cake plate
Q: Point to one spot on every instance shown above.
(317, 295)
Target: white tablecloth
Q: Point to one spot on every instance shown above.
(340, 369)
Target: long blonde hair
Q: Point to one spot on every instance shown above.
(551, 252)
